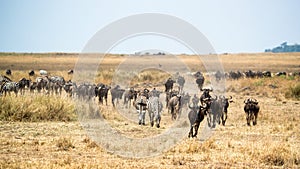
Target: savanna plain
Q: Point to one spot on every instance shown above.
(43, 131)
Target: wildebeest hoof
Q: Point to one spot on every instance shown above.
(158, 126)
(143, 124)
(152, 124)
(140, 123)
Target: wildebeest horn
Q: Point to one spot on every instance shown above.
(201, 89)
(229, 98)
(190, 106)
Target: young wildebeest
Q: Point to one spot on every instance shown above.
(196, 116)
(155, 108)
(251, 108)
(174, 106)
(225, 104)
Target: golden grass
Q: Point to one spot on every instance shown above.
(50, 143)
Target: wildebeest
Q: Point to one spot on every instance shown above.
(205, 95)
(250, 74)
(200, 81)
(129, 95)
(31, 73)
(22, 84)
(219, 75)
(70, 72)
(169, 95)
(116, 94)
(196, 116)
(141, 105)
(251, 109)
(101, 90)
(235, 75)
(280, 74)
(181, 82)
(266, 74)
(85, 91)
(8, 72)
(154, 109)
(214, 107)
(169, 85)
(174, 106)
(225, 104)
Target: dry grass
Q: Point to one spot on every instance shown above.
(50, 143)
(33, 108)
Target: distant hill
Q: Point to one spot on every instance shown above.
(284, 47)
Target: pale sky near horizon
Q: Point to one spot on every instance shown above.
(232, 26)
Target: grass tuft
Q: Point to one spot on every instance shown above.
(37, 108)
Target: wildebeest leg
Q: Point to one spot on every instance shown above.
(157, 121)
(248, 118)
(151, 116)
(191, 131)
(173, 113)
(105, 97)
(255, 118)
(224, 118)
(100, 100)
(209, 120)
(113, 102)
(196, 127)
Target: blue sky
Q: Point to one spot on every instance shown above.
(66, 25)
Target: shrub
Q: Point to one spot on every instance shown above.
(293, 92)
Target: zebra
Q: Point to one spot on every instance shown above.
(56, 84)
(154, 110)
(9, 87)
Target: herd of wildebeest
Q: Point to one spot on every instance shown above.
(144, 100)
